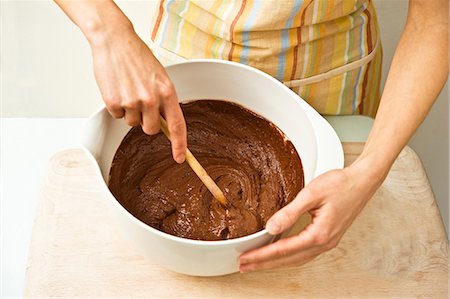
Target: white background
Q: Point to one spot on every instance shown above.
(46, 72)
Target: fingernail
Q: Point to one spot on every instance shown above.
(273, 227)
(180, 158)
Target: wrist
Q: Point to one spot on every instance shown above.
(370, 169)
(105, 24)
(99, 34)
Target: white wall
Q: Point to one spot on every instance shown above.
(46, 72)
(46, 62)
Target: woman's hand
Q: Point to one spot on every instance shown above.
(333, 199)
(133, 84)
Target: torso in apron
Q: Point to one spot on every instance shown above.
(327, 51)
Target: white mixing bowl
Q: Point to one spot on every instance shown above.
(314, 139)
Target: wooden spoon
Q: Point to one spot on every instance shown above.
(198, 169)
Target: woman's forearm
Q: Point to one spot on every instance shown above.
(418, 72)
(96, 19)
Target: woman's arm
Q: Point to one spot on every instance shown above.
(133, 84)
(418, 72)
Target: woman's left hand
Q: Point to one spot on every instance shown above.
(333, 199)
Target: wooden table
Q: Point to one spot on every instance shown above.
(396, 247)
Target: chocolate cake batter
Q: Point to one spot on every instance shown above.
(247, 156)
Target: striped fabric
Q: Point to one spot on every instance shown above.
(288, 39)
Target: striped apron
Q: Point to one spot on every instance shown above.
(327, 51)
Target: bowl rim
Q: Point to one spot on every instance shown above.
(151, 229)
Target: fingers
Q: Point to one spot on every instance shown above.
(288, 216)
(128, 109)
(281, 248)
(150, 117)
(177, 127)
(134, 85)
(289, 252)
(115, 109)
(146, 111)
(133, 117)
(292, 260)
(142, 102)
(281, 221)
(329, 201)
(316, 238)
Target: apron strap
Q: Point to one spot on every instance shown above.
(336, 71)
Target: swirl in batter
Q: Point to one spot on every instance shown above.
(258, 170)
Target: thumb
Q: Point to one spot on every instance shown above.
(287, 216)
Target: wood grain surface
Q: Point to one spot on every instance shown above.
(397, 247)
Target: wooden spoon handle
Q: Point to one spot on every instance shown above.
(198, 169)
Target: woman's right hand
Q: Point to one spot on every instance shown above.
(135, 86)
